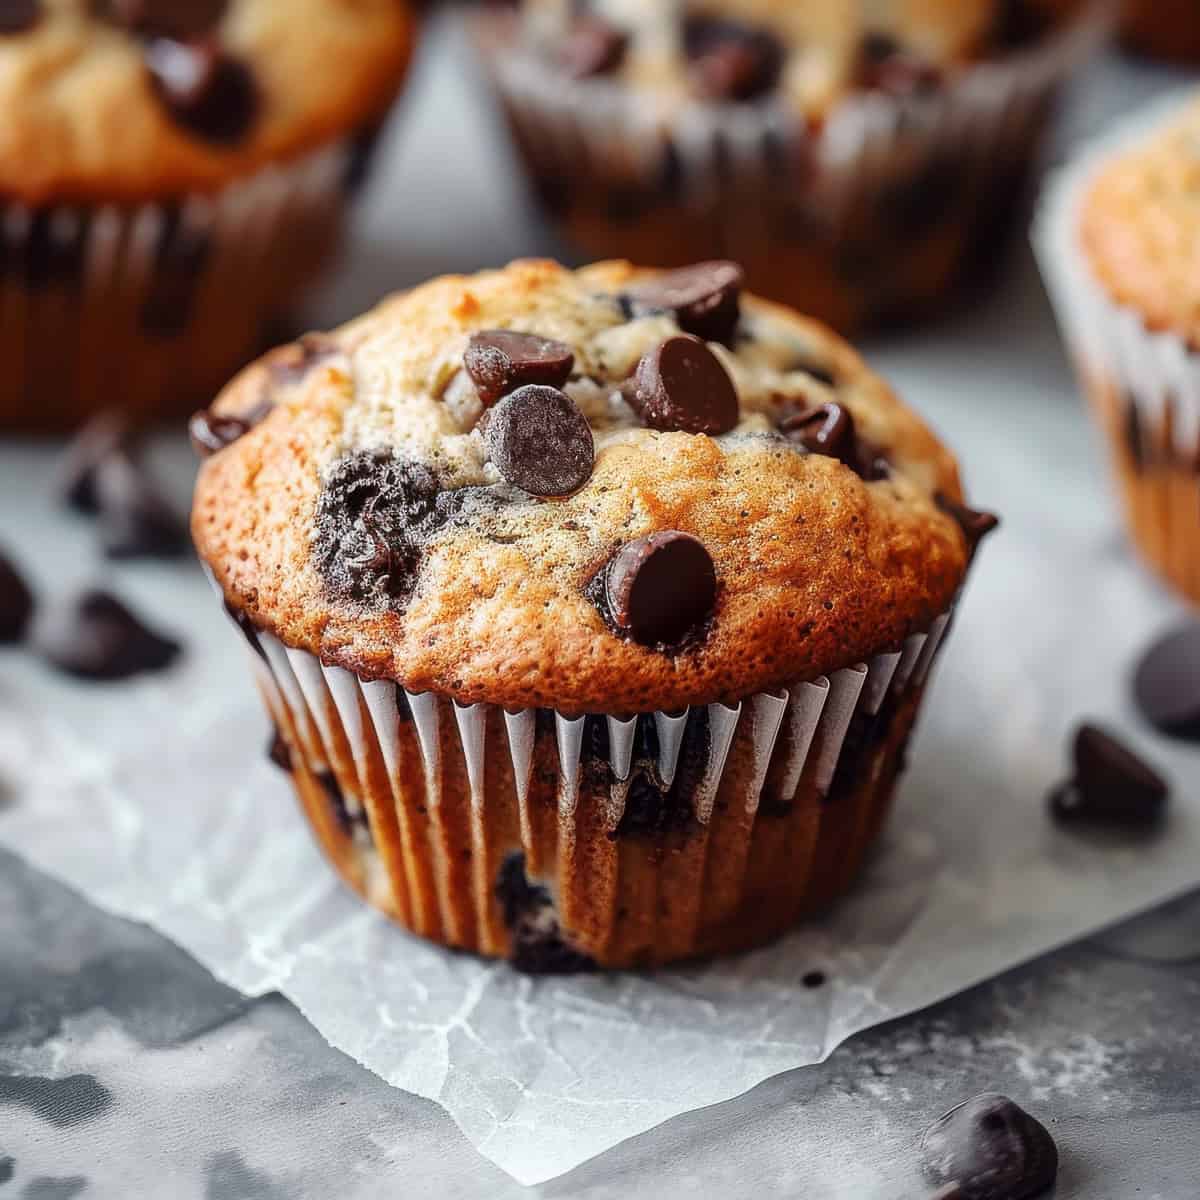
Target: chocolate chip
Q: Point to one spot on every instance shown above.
(208, 93)
(501, 360)
(539, 441)
(97, 637)
(178, 19)
(824, 429)
(278, 751)
(974, 523)
(887, 66)
(539, 946)
(16, 603)
(211, 432)
(659, 588)
(681, 385)
(1166, 684)
(703, 298)
(592, 46)
(136, 520)
(1111, 784)
(729, 60)
(991, 1149)
(102, 437)
(16, 16)
(813, 979)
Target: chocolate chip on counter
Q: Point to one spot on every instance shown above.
(16, 603)
(974, 523)
(824, 429)
(731, 61)
(166, 18)
(211, 432)
(887, 66)
(539, 441)
(136, 520)
(97, 637)
(991, 1149)
(208, 93)
(659, 588)
(592, 46)
(703, 298)
(278, 750)
(501, 360)
(16, 16)
(1166, 684)
(105, 435)
(1111, 784)
(681, 385)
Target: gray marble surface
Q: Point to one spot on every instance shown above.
(117, 1051)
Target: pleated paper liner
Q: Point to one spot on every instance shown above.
(562, 842)
(873, 217)
(1143, 385)
(151, 308)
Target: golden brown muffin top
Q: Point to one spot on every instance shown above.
(141, 99)
(807, 54)
(386, 496)
(1140, 226)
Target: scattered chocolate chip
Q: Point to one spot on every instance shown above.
(824, 429)
(16, 603)
(16, 16)
(178, 19)
(102, 437)
(278, 751)
(208, 93)
(291, 364)
(136, 520)
(887, 66)
(681, 385)
(97, 637)
(539, 441)
(1111, 784)
(501, 360)
(991, 1149)
(703, 298)
(659, 588)
(974, 523)
(729, 60)
(1166, 684)
(592, 46)
(539, 946)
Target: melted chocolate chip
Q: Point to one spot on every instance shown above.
(97, 637)
(540, 441)
(208, 93)
(703, 298)
(593, 46)
(16, 603)
(104, 436)
(826, 429)
(178, 19)
(539, 946)
(1111, 784)
(681, 385)
(501, 360)
(136, 520)
(1166, 684)
(991, 1149)
(16, 16)
(278, 751)
(659, 588)
(729, 60)
(974, 523)
(210, 431)
(887, 66)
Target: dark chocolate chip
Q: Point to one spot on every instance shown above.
(501, 360)
(1166, 684)
(208, 93)
(104, 436)
(278, 751)
(703, 298)
(211, 432)
(974, 523)
(178, 19)
(97, 637)
(1111, 784)
(991, 1149)
(592, 46)
(681, 385)
(659, 588)
(16, 16)
(16, 603)
(539, 946)
(539, 441)
(729, 60)
(136, 520)
(824, 429)
(887, 66)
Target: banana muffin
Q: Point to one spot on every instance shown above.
(593, 607)
(856, 159)
(171, 173)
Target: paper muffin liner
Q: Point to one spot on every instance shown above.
(867, 219)
(1143, 385)
(151, 308)
(563, 842)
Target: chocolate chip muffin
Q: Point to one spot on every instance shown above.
(1167, 29)
(1118, 238)
(593, 608)
(858, 160)
(171, 173)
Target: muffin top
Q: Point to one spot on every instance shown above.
(1139, 225)
(810, 55)
(139, 99)
(606, 490)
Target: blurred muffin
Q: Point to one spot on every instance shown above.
(1119, 242)
(170, 175)
(1167, 29)
(858, 160)
(594, 608)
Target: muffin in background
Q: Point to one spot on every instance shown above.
(1167, 29)
(171, 175)
(1118, 238)
(859, 164)
(594, 609)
